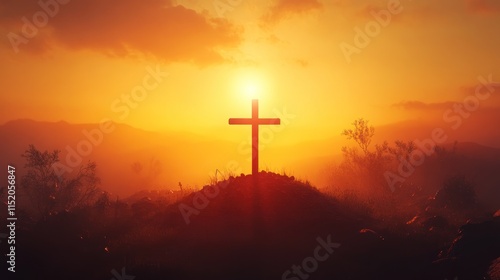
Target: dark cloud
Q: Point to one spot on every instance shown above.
(302, 63)
(487, 94)
(283, 8)
(482, 89)
(484, 7)
(487, 90)
(402, 12)
(120, 27)
(422, 106)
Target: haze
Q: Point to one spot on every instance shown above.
(184, 67)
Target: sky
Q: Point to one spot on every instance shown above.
(189, 65)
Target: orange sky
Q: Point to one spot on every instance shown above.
(88, 54)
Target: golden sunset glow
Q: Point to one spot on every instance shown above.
(250, 139)
(250, 84)
(251, 89)
(188, 66)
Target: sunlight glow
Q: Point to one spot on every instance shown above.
(250, 84)
(251, 89)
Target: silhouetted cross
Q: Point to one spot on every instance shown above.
(255, 122)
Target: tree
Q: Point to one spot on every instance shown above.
(153, 171)
(48, 192)
(402, 150)
(457, 193)
(365, 170)
(137, 167)
(362, 134)
(103, 201)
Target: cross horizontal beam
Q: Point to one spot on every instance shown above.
(253, 121)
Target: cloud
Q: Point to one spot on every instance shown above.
(422, 106)
(302, 63)
(284, 8)
(487, 96)
(414, 105)
(121, 27)
(482, 89)
(484, 7)
(406, 12)
(486, 91)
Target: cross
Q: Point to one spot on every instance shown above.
(255, 122)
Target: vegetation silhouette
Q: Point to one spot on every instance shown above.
(71, 229)
(49, 192)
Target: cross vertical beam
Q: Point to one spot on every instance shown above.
(255, 137)
(255, 122)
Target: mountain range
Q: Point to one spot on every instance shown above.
(131, 159)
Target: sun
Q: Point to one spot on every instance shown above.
(251, 89)
(250, 84)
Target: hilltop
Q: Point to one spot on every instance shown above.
(268, 226)
(249, 227)
(259, 226)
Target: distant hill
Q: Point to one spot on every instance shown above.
(191, 159)
(117, 151)
(488, 135)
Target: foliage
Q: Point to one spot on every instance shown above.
(49, 192)
(365, 171)
(150, 171)
(457, 193)
(362, 134)
(103, 201)
(362, 171)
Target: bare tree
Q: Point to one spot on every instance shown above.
(402, 149)
(155, 168)
(151, 173)
(137, 167)
(362, 134)
(48, 192)
(363, 170)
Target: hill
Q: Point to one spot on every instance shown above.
(131, 160)
(265, 227)
(162, 156)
